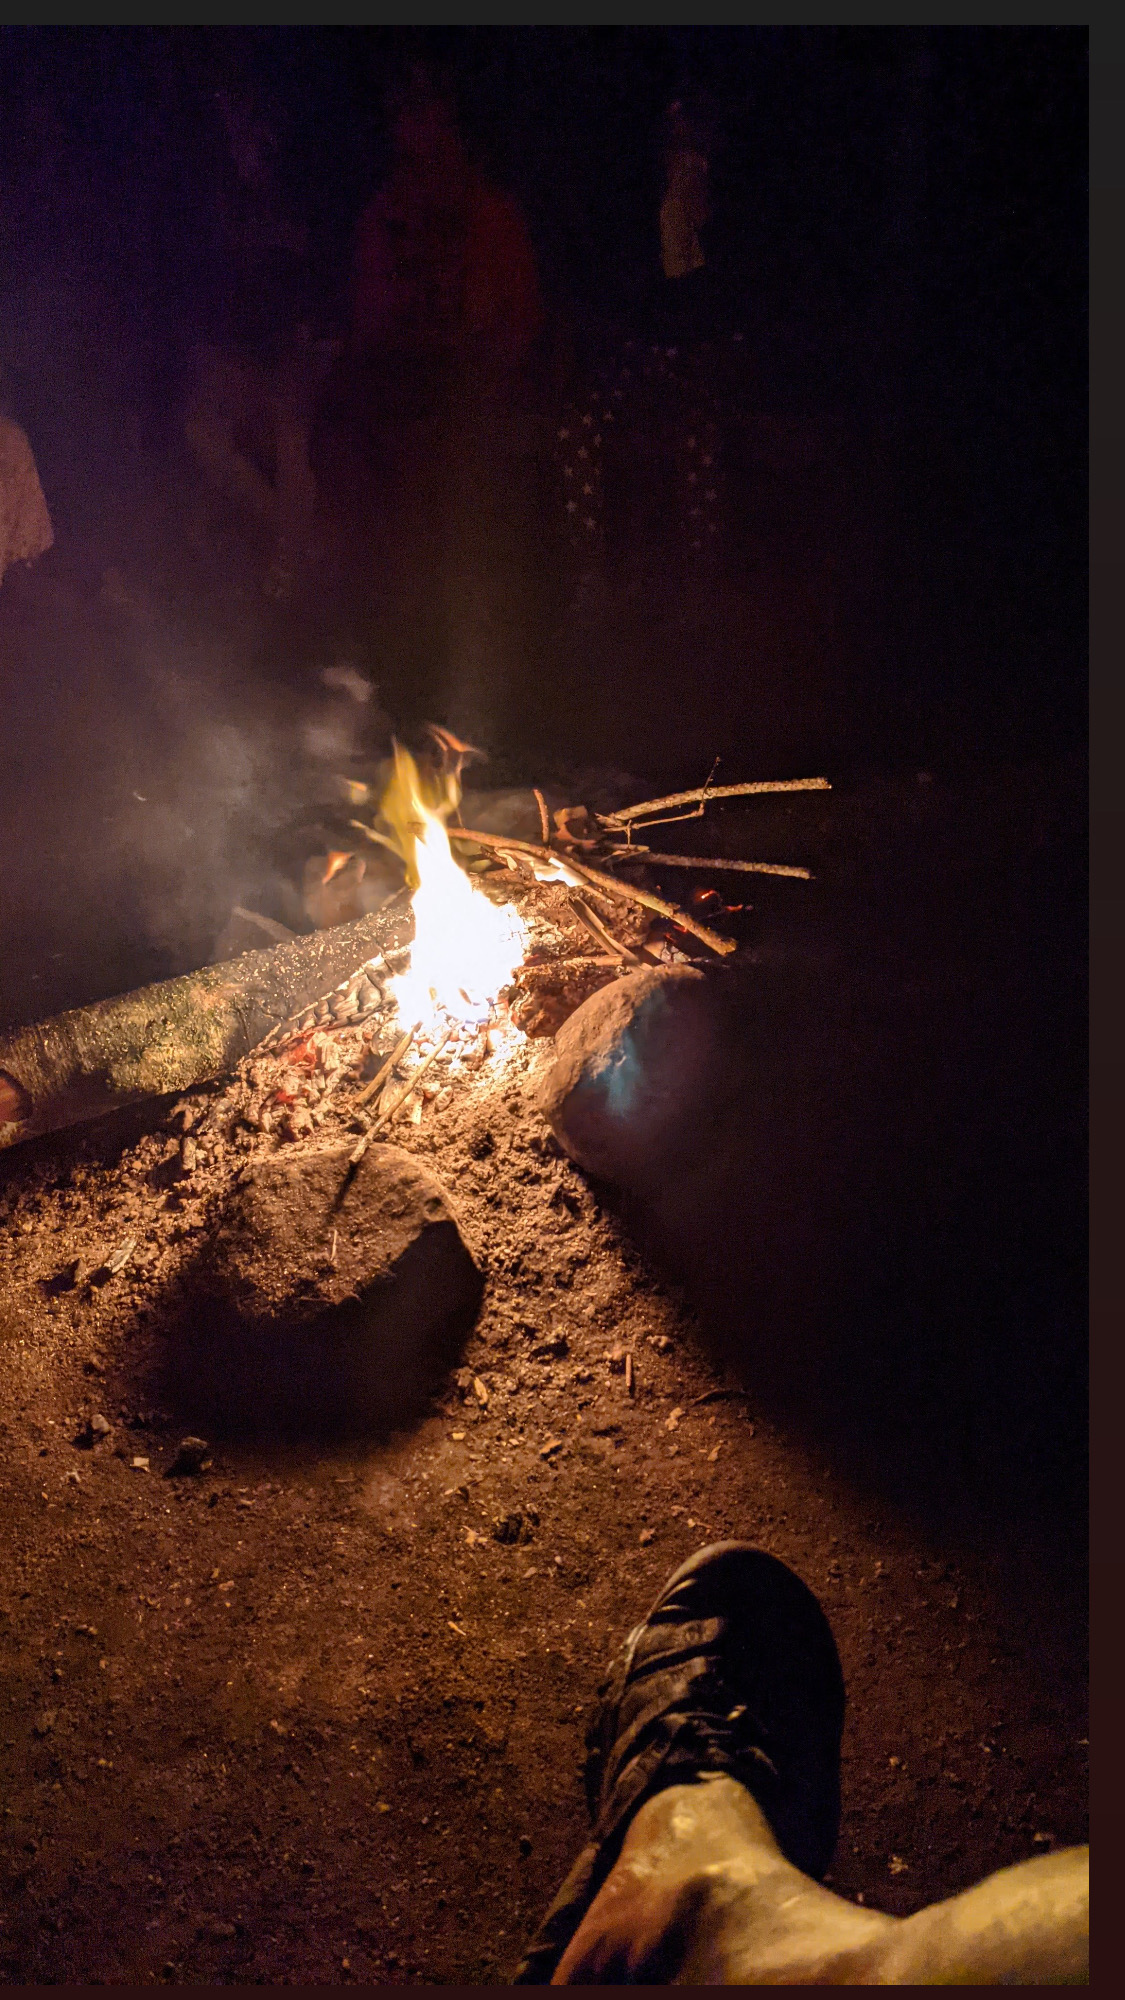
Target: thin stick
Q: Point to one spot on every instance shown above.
(598, 930)
(649, 859)
(710, 792)
(609, 884)
(380, 1077)
(650, 902)
(384, 1117)
(544, 821)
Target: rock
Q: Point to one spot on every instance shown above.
(553, 1349)
(94, 1430)
(276, 1335)
(192, 1456)
(630, 1065)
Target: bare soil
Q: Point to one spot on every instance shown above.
(315, 1713)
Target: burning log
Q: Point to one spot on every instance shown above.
(179, 1033)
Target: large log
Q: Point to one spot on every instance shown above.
(181, 1032)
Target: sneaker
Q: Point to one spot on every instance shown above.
(734, 1670)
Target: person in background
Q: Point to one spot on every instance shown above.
(686, 207)
(713, 1780)
(443, 262)
(420, 436)
(639, 449)
(26, 532)
(249, 406)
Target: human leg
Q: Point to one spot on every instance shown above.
(703, 1896)
(713, 1781)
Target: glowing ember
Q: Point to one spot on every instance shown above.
(466, 949)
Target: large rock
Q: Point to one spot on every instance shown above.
(327, 1295)
(631, 1064)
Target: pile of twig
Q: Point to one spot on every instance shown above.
(574, 839)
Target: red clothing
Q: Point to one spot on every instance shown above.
(432, 272)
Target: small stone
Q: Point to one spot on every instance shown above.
(647, 1536)
(140, 1465)
(553, 1349)
(617, 1358)
(189, 1154)
(660, 1342)
(119, 1257)
(45, 1721)
(93, 1431)
(73, 1478)
(552, 1445)
(192, 1456)
(480, 1391)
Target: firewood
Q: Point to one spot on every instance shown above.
(651, 860)
(176, 1034)
(703, 794)
(609, 883)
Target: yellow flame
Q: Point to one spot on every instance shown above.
(466, 949)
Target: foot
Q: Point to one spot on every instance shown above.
(734, 1670)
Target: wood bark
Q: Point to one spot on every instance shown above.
(176, 1034)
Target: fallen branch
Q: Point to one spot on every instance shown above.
(176, 1034)
(649, 859)
(705, 793)
(608, 883)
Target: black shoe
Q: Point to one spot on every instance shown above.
(734, 1670)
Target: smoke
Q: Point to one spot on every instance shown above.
(153, 783)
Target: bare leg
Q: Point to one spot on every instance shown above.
(702, 1895)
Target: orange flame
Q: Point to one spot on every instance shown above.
(466, 949)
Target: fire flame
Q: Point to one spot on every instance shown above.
(466, 949)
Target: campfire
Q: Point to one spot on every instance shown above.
(492, 939)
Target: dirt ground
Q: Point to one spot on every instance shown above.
(315, 1714)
